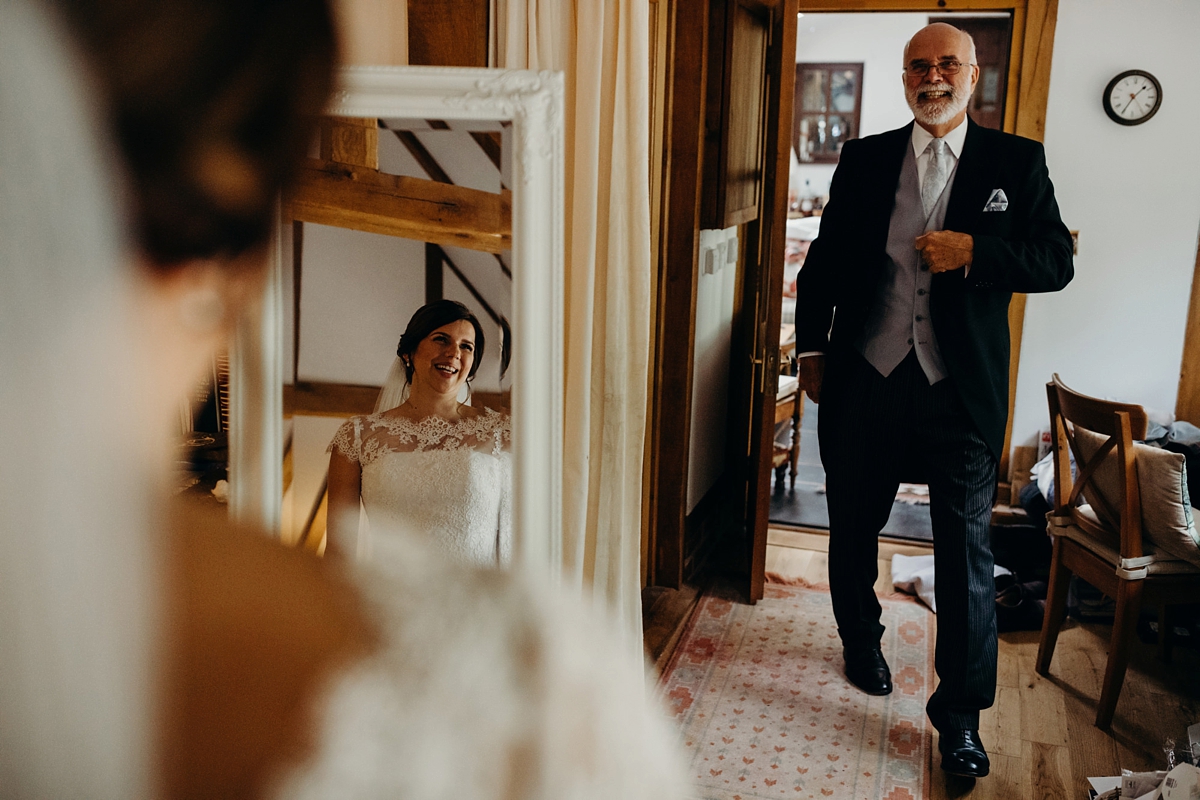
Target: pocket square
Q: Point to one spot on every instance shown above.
(997, 202)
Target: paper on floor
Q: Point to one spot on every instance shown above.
(914, 575)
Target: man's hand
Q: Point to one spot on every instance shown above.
(810, 370)
(943, 251)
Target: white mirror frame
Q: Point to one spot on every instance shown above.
(533, 103)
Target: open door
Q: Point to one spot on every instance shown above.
(1029, 37)
(755, 364)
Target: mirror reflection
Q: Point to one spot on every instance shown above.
(398, 340)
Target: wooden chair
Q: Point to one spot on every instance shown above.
(1102, 542)
(788, 407)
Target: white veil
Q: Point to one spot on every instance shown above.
(395, 388)
(77, 578)
(393, 393)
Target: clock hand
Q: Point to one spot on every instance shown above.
(1133, 97)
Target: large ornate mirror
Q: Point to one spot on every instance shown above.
(426, 183)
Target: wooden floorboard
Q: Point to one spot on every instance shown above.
(1040, 733)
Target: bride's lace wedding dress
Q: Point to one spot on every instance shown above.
(449, 480)
(485, 684)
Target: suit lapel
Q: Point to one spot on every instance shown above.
(886, 177)
(891, 162)
(972, 182)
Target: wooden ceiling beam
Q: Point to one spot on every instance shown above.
(322, 399)
(489, 142)
(363, 199)
(350, 140)
(318, 399)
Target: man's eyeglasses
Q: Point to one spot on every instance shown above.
(919, 69)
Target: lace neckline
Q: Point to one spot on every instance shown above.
(434, 420)
(363, 439)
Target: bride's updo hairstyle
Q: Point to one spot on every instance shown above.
(428, 319)
(214, 102)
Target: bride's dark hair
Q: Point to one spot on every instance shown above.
(214, 103)
(428, 319)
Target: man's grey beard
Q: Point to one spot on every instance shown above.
(940, 111)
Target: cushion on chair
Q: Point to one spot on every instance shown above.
(1154, 561)
(1162, 483)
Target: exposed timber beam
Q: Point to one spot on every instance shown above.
(489, 143)
(350, 140)
(422, 156)
(317, 399)
(487, 307)
(434, 170)
(368, 200)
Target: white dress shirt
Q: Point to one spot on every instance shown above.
(920, 145)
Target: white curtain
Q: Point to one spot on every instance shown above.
(603, 47)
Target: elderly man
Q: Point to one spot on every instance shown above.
(928, 231)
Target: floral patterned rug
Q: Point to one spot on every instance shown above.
(765, 711)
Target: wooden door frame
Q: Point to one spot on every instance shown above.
(1187, 402)
(677, 246)
(761, 330)
(1025, 114)
(1030, 55)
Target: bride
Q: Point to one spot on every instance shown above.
(430, 466)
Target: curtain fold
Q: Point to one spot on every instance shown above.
(602, 46)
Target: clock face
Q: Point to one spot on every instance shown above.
(1132, 97)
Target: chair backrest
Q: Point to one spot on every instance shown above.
(1115, 503)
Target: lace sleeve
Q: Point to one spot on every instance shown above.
(348, 440)
(501, 434)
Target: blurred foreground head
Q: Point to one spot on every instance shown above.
(206, 102)
(213, 102)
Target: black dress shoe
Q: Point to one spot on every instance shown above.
(867, 670)
(963, 754)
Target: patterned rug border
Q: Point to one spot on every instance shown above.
(822, 587)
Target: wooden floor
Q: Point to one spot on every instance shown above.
(1040, 733)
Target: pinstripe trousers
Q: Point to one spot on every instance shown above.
(874, 433)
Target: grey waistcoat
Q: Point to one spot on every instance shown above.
(899, 320)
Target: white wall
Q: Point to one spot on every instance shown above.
(359, 289)
(876, 40)
(1133, 193)
(710, 364)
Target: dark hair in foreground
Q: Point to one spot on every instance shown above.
(428, 319)
(214, 103)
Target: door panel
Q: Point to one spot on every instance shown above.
(764, 270)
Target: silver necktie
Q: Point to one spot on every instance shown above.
(935, 175)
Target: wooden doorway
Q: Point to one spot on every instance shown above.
(828, 112)
(1187, 403)
(695, 122)
(1025, 90)
(993, 46)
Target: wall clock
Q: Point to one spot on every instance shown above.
(1132, 97)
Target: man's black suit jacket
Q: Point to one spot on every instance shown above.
(1024, 248)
